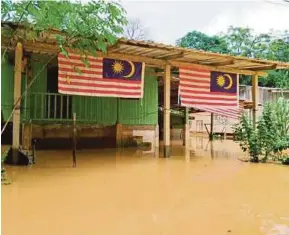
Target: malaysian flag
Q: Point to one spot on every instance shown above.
(211, 91)
(100, 77)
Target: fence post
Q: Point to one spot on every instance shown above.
(74, 139)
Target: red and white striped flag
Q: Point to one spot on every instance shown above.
(210, 91)
(103, 77)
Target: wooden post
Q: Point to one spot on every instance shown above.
(212, 127)
(27, 136)
(255, 98)
(212, 150)
(17, 94)
(74, 139)
(167, 106)
(118, 135)
(186, 127)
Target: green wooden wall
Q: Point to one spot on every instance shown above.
(143, 111)
(96, 110)
(108, 111)
(39, 85)
(7, 89)
(7, 85)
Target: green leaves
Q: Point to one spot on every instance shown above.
(202, 41)
(272, 134)
(245, 42)
(87, 27)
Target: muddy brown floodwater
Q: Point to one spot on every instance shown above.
(201, 191)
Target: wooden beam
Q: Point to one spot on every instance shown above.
(171, 56)
(118, 134)
(167, 95)
(255, 98)
(134, 58)
(17, 94)
(227, 62)
(215, 68)
(49, 48)
(145, 52)
(52, 49)
(265, 67)
(212, 127)
(186, 131)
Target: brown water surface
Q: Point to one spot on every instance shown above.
(201, 191)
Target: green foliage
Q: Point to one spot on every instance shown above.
(277, 78)
(271, 137)
(87, 27)
(202, 41)
(245, 42)
(247, 137)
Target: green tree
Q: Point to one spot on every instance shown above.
(245, 42)
(201, 41)
(279, 51)
(86, 27)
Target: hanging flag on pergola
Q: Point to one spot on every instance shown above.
(100, 77)
(210, 91)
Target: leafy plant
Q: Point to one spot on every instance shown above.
(248, 138)
(270, 137)
(87, 27)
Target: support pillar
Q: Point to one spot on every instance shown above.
(186, 128)
(212, 127)
(167, 99)
(118, 135)
(255, 98)
(17, 94)
(157, 141)
(27, 136)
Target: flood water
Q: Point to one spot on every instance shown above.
(203, 190)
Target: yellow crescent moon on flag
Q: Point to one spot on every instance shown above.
(132, 70)
(230, 81)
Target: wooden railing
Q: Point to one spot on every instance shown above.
(48, 106)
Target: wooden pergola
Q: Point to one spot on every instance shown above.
(164, 57)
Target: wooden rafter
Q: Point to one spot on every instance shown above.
(159, 55)
(258, 68)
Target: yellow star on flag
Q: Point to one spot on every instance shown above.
(67, 79)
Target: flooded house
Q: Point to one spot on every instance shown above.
(30, 74)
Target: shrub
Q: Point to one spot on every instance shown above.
(270, 137)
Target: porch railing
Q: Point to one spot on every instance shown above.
(48, 106)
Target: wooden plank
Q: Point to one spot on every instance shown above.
(17, 95)
(145, 51)
(152, 61)
(255, 98)
(258, 68)
(171, 56)
(167, 95)
(186, 133)
(216, 68)
(118, 135)
(167, 48)
(222, 63)
(212, 127)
